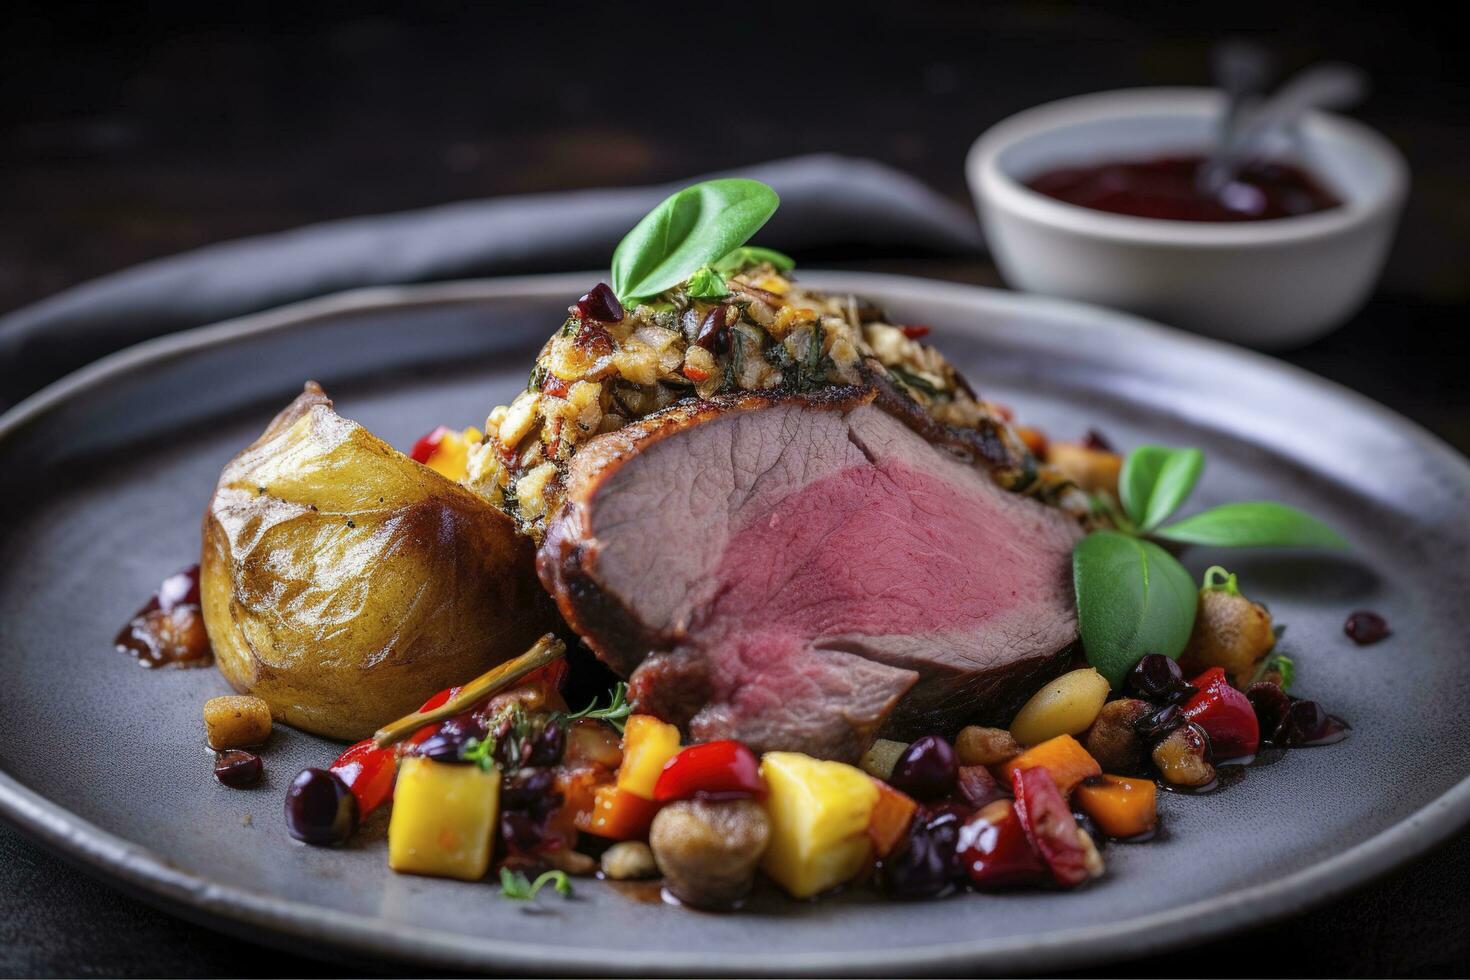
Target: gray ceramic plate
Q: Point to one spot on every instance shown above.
(103, 477)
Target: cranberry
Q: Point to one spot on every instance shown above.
(547, 748)
(1158, 723)
(1270, 703)
(448, 743)
(1307, 724)
(1364, 627)
(522, 832)
(1096, 440)
(927, 769)
(927, 864)
(600, 304)
(713, 334)
(320, 809)
(238, 769)
(1159, 679)
(529, 789)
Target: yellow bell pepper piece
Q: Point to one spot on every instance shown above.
(444, 817)
(647, 745)
(819, 813)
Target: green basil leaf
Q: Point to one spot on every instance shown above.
(706, 283)
(693, 227)
(1133, 598)
(1261, 524)
(749, 255)
(1156, 480)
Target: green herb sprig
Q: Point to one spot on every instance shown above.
(1133, 597)
(515, 885)
(690, 230)
(617, 710)
(479, 752)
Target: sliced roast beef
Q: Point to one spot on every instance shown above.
(803, 572)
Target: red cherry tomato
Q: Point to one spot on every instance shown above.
(994, 850)
(369, 772)
(723, 770)
(425, 447)
(1225, 714)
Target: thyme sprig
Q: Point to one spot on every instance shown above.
(618, 708)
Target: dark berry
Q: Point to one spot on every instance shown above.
(1158, 723)
(238, 769)
(1270, 703)
(927, 769)
(547, 748)
(320, 809)
(1306, 723)
(521, 831)
(1157, 678)
(528, 789)
(600, 304)
(1364, 627)
(925, 864)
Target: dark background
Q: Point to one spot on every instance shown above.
(129, 132)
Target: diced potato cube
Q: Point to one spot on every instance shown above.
(647, 745)
(820, 812)
(236, 721)
(444, 817)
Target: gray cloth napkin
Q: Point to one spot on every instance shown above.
(826, 201)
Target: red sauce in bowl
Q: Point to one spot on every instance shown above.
(1166, 188)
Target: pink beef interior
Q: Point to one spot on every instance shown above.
(817, 568)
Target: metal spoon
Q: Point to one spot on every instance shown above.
(1326, 86)
(1241, 69)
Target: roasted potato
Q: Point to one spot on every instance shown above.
(1231, 632)
(344, 584)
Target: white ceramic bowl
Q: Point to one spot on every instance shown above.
(1272, 283)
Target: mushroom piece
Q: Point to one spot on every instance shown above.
(1112, 740)
(708, 851)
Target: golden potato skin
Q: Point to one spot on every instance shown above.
(344, 584)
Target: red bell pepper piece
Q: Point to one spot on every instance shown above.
(436, 701)
(426, 445)
(1050, 826)
(914, 331)
(369, 772)
(1225, 714)
(724, 770)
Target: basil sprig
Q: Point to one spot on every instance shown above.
(1133, 597)
(693, 228)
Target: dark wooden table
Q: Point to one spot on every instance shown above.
(129, 132)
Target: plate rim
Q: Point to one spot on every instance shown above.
(151, 876)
